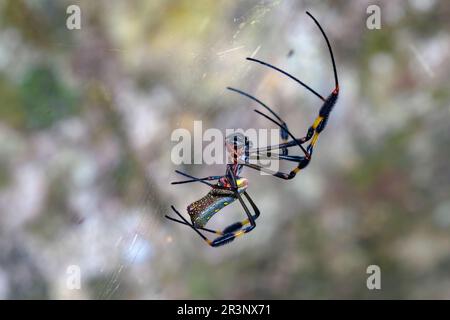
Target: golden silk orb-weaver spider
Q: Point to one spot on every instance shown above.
(231, 186)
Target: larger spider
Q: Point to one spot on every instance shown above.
(231, 186)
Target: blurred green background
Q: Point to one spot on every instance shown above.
(86, 118)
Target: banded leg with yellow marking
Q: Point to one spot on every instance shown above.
(237, 229)
(312, 134)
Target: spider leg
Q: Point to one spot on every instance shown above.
(276, 156)
(197, 180)
(189, 224)
(290, 134)
(237, 229)
(328, 103)
(312, 134)
(302, 163)
(194, 179)
(289, 75)
(284, 133)
(297, 80)
(289, 144)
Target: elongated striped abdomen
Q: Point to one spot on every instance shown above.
(201, 211)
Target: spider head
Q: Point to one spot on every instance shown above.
(237, 144)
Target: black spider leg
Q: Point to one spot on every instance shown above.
(336, 81)
(302, 161)
(322, 119)
(284, 128)
(328, 103)
(319, 123)
(313, 133)
(189, 224)
(282, 124)
(276, 156)
(194, 179)
(323, 110)
(294, 139)
(268, 149)
(287, 74)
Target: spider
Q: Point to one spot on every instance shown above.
(231, 186)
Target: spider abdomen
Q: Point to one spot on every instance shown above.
(202, 210)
